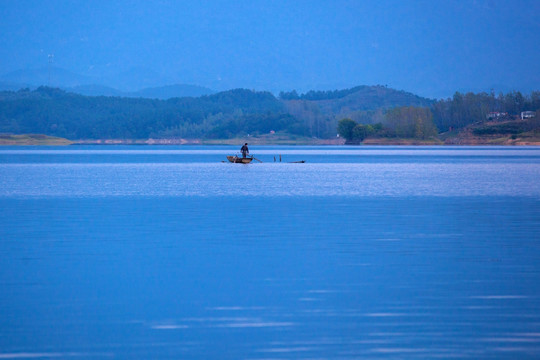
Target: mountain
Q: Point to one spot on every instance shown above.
(95, 90)
(138, 78)
(359, 98)
(50, 76)
(90, 86)
(364, 104)
(364, 98)
(171, 91)
(162, 92)
(55, 112)
(8, 86)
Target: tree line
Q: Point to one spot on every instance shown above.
(372, 110)
(314, 95)
(454, 113)
(402, 122)
(465, 109)
(227, 114)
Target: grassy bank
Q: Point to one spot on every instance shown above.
(401, 141)
(463, 138)
(32, 139)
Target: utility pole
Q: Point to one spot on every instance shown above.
(51, 59)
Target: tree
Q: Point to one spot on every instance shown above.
(291, 95)
(361, 131)
(411, 122)
(345, 128)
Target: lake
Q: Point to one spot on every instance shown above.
(135, 252)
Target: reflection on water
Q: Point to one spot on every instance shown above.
(206, 179)
(326, 260)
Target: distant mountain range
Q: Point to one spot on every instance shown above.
(89, 86)
(48, 76)
(160, 92)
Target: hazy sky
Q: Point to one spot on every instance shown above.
(428, 47)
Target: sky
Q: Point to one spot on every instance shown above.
(431, 48)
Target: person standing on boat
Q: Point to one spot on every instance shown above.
(244, 150)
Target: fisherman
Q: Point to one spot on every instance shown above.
(244, 150)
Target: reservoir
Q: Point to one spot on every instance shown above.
(136, 252)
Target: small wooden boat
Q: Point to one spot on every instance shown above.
(239, 160)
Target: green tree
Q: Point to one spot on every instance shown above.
(411, 122)
(361, 131)
(345, 128)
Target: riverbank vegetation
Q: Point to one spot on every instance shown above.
(32, 139)
(363, 114)
(463, 119)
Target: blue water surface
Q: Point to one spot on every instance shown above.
(361, 252)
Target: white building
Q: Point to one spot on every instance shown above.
(527, 114)
(496, 115)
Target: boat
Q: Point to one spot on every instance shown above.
(239, 160)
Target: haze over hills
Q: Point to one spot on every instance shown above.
(48, 76)
(358, 98)
(160, 92)
(145, 83)
(430, 48)
(91, 86)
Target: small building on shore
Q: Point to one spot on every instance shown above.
(527, 114)
(496, 115)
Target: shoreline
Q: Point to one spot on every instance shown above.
(44, 140)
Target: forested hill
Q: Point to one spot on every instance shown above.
(241, 112)
(353, 103)
(321, 110)
(361, 97)
(55, 112)
(226, 114)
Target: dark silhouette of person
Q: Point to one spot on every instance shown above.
(245, 150)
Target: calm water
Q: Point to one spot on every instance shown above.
(367, 252)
